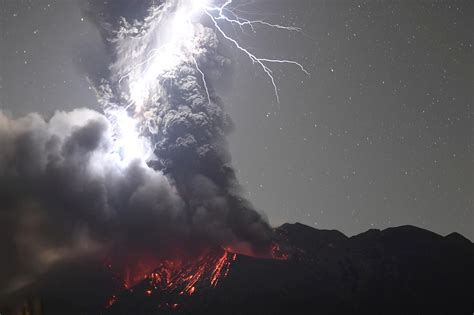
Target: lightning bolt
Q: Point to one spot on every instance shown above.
(203, 76)
(234, 19)
(241, 22)
(167, 39)
(182, 47)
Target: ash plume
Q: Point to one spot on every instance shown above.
(75, 185)
(179, 112)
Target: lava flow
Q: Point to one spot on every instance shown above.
(184, 276)
(177, 276)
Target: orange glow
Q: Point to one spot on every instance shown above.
(181, 276)
(186, 276)
(221, 268)
(177, 275)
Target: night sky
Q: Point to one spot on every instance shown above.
(379, 135)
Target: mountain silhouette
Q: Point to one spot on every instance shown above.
(401, 270)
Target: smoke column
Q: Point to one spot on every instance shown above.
(158, 75)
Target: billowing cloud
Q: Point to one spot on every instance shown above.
(160, 70)
(64, 194)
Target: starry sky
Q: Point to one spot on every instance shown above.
(380, 134)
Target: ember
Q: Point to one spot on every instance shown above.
(187, 276)
(111, 301)
(278, 253)
(182, 277)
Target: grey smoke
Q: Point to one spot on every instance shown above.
(188, 130)
(62, 198)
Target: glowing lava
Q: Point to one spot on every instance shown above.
(169, 37)
(178, 276)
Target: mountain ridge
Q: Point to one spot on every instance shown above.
(398, 270)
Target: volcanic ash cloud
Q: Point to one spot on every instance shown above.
(161, 62)
(150, 176)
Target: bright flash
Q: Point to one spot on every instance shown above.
(168, 38)
(129, 145)
(173, 33)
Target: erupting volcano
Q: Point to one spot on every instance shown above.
(147, 186)
(168, 280)
(158, 96)
(136, 208)
(149, 176)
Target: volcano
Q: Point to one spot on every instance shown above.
(402, 270)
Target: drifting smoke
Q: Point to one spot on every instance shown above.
(65, 195)
(151, 175)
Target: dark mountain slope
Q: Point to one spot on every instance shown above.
(402, 270)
